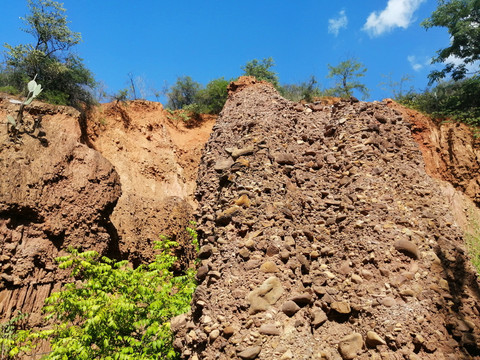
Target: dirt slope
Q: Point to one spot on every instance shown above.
(450, 151)
(157, 160)
(323, 237)
(54, 192)
(134, 183)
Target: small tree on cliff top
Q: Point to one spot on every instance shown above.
(62, 73)
(346, 74)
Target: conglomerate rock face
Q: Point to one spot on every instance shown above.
(322, 237)
(54, 193)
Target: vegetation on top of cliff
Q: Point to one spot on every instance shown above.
(111, 311)
(458, 98)
(462, 20)
(63, 74)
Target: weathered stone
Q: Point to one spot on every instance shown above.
(303, 299)
(223, 164)
(250, 353)
(205, 251)
(228, 331)
(407, 247)
(269, 267)
(269, 329)
(318, 317)
(350, 346)
(341, 307)
(388, 301)
(265, 295)
(244, 254)
(284, 159)
(373, 339)
(243, 201)
(241, 152)
(290, 308)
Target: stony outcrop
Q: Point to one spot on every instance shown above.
(55, 192)
(322, 237)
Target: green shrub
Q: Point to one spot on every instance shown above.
(459, 100)
(55, 97)
(212, 99)
(261, 70)
(116, 312)
(183, 93)
(306, 91)
(9, 90)
(10, 334)
(49, 58)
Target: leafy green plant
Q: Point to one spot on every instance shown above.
(9, 89)
(345, 75)
(121, 96)
(49, 57)
(306, 91)
(114, 311)
(182, 93)
(16, 126)
(212, 98)
(10, 335)
(458, 100)
(175, 116)
(461, 19)
(262, 70)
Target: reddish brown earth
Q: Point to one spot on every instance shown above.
(323, 237)
(54, 193)
(449, 149)
(134, 183)
(157, 160)
(356, 238)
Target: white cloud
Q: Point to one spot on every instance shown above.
(335, 24)
(416, 65)
(398, 13)
(471, 67)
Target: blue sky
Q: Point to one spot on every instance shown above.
(161, 40)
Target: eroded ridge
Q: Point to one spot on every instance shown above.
(323, 238)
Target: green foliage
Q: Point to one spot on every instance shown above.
(16, 126)
(183, 92)
(462, 20)
(261, 70)
(306, 91)
(346, 74)
(177, 116)
(9, 90)
(121, 95)
(11, 333)
(116, 312)
(459, 100)
(48, 57)
(213, 97)
(398, 89)
(188, 95)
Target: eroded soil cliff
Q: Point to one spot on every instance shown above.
(323, 237)
(54, 192)
(325, 232)
(157, 159)
(132, 183)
